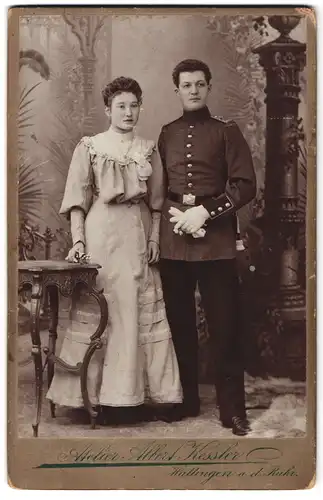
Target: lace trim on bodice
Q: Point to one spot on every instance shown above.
(139, 155)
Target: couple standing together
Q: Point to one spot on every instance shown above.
(132, 205)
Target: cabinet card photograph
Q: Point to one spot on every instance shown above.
(161, 211)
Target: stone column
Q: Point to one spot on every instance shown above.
(282, 60)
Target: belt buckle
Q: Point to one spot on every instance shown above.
(189, 199)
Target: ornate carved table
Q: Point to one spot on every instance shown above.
(63, 277)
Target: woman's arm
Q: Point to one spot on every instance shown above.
(78, 197)
(77, 216)
(156, 193)
(78, 188)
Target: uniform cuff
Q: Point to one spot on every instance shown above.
(218, 206)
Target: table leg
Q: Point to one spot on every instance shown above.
(36, 295)
(96, 343)
(53, 305)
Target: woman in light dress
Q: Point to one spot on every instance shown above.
(113, 198)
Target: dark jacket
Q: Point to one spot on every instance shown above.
(205, 156)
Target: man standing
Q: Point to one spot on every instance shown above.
(210, 175)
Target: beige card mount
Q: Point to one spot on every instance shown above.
(263, 66)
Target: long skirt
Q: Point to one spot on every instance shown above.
(138, 360)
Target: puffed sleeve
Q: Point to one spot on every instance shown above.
(156, 183)
(241, 184)
(78, 188)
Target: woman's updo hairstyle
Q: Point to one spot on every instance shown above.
(120, 85)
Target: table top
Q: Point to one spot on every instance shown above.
(54, 266)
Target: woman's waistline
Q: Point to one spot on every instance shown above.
(132, 201)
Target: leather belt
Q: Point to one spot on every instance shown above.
(187, 199)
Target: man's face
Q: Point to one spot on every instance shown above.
(193, 90)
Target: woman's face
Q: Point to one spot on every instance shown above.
(124, 111)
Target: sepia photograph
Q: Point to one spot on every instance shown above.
(162, 227)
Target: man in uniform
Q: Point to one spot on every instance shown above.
(209, 175)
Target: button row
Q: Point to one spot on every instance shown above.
(220, 209)
(189, 145)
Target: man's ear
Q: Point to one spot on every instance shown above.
(176, 90)
(210, 87)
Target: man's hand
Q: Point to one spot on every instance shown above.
(191, 220)
(153, 252)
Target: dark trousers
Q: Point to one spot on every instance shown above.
(219, 288)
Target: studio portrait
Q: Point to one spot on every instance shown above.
(162, 193)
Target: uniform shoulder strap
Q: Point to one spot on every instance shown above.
(221, 119)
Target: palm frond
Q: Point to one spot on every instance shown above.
(30, 190)
(22, 107)
(302, 194)
(302, 163)
(60, 155)
(35, 61)
(25, 122)
(25, 115)
(237, 100)
(25, 93)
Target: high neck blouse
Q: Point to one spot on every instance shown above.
(112, 166)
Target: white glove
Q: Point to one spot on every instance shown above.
(190, 221)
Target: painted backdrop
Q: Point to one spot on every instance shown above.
(65, 62)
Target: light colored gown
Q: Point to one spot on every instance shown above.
(117, 179)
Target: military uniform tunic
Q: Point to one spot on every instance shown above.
(205, 157)
(206, 161)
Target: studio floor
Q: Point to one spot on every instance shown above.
(276, 408)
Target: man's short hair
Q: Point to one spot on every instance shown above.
(188, 66)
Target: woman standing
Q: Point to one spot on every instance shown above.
(113, 197)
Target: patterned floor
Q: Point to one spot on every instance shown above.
(276, 408)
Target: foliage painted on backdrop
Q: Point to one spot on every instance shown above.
(66, 124)
(35, 61)
(69, 121)
(30, 189)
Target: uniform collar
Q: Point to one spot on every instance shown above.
(199, 115)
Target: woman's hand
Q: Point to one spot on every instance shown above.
(153, 252)
(77, 250)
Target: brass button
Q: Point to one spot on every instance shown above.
(227, 205)
(188, 155)
(212, 213)
(189, 174)
(190, 185)
(191, 126)
(188, 145)
(190, 136)
(189, 165)
(220, 209)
